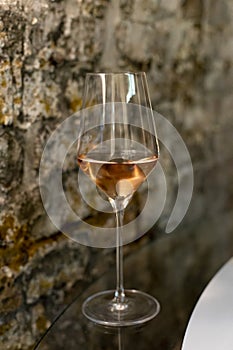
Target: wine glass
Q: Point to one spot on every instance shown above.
(117, 149)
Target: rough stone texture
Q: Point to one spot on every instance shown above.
(45, 49)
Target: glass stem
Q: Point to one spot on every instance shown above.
(119, 293)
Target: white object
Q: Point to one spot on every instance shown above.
(211, 324)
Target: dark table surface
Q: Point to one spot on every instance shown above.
(175, 269)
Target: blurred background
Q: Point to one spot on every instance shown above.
(46, 48)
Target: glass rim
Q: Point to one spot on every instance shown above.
(116, 73)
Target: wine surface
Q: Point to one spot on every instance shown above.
(118, 177)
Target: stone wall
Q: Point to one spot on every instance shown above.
(46, 47)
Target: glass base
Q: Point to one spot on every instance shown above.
(137, 308)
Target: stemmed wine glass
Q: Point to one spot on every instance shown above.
(117, 149)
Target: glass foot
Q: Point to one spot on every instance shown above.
(137, 308)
